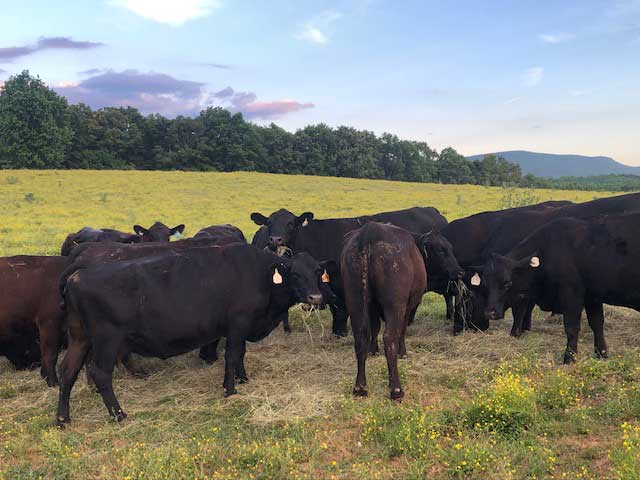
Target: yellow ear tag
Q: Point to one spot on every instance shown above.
(277, 278)
(325, 277)
(305, 223)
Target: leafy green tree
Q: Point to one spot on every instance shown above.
(453, 167)
(34, 129)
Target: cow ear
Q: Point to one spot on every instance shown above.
(331, 269)
(305, 218)
(258, 218)
(140, 230)
(177, 229)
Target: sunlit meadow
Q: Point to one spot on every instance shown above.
(481, 405)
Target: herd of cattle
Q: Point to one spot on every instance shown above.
(110, 294)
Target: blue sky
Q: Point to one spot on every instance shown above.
(557, 76)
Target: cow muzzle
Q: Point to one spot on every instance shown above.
(315, 299)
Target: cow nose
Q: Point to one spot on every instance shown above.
(314, 299)
(276, 241)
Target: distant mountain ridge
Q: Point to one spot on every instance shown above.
(554, 165)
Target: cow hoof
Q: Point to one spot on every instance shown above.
(360, 392)
(569, 358)
(287, 329)
(397, 394)
(62, 421)
(228, 393)
(602, 354)
(457, 331)
(340, 333)
(403, 355)
(209, 361)
(374, 352)
(516, 333)
(242, 379)
(120, 416)
(52, 382)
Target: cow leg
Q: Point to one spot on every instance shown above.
(241, 373)
(409, 320)
(572, 329)
(394, 320)
(101, 370)
(49, 348)
(526, 323)
(519, 311)
(285, 323)
(69, 369)
(449, 302)
(131, 366)
(595, 315)
(362, 336)
(233, 356)
(209, 352)
(340, 316)
(375, 330)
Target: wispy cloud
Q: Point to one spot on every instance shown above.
(532, 76)
(512, 100)
(580, 93)
(45, 43)
(317, 30)
(170, 12)
(161, 93)
(219, 66)
(555, 38)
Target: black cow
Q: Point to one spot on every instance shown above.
(30, 314)
(568, 265)
(384, 277)
(92, 254)
(323, 238)
(221, 234)
(168, 305)
(158, 232)
(475, 238)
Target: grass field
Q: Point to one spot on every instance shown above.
(480, 406)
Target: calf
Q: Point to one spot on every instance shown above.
(568, 265)
(323, 239)
(168, 305)
(30, 312)
(384, 277)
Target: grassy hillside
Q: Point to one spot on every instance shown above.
(476, 406)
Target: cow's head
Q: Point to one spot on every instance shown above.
(438, 256)
(474, 305)
(503, 277)
(282, 226)
(307, 279)
(158, 232)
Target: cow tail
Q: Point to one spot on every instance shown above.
(365, 258)
(64, 277)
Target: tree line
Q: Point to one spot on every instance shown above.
(40, 130)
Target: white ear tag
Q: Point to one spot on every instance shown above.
(305, 223)
(535, 262)
(476, 280)
(325, 277)
(177, 234)
(277, 278)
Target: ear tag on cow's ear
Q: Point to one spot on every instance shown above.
(277, 278)
(305, 223)
(535, 262)
(325, 277)
(177, 235)
(476, 280)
